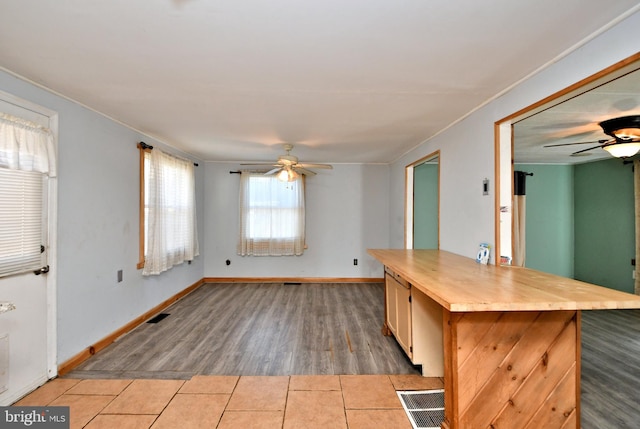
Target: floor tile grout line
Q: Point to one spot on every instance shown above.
(224, 410)
(168, 402)
(102, 409)
(286, 401)
(57, 397)
(344, 403)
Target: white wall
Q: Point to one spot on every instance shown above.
(347, 213)
(467, 148)
(98, 178)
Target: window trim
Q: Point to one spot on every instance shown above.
(141, 220)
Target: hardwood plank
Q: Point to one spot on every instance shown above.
(610, 369)
(486, 357)
(528, 344)
(261, 329)
(480, 324)
(547, 374)
(559, 410)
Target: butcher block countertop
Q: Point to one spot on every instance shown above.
(460, 284)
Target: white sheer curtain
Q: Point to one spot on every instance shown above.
(636, 181)
(519, 230)
(272, 216)
(26, 146)
(519, 218)
(171, 233)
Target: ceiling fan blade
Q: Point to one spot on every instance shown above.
(588, 149)
(304, 171)
(570, 144)
(274, 171)
(307, 165)
(271, 164)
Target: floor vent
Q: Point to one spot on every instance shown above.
(158, 318)
(425, 408)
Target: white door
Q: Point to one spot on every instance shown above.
(27, 333)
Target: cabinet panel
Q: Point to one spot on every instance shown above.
(426, 334)
(403, 330)
(415, 320)
(392, 308)
(399, 310)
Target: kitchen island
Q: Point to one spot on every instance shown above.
(505, 339)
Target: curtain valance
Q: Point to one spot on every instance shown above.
(26, 146)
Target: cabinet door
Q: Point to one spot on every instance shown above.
(392, 308)
(403, 328)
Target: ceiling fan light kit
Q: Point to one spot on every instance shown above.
(287, 175)
(626, 132)
(623, 150)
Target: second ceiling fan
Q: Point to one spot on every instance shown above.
(625, 133)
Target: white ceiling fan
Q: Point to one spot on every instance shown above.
(288, 168)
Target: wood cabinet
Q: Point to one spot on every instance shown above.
(398, 293)
(509, 338)
(415, 320)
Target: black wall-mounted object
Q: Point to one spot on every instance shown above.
(520, 182)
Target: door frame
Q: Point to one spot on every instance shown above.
(504, 141)
(52, 234)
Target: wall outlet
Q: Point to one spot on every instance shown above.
(355, 262)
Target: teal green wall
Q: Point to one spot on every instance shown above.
(604, 224)
(425, 206)
(549, 230)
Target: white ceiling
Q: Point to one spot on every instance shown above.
(344, 81)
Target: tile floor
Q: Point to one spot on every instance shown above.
(287, 402)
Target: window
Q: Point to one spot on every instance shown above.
(21, 221)
(27, 159)
(168, 214)
(272, 216)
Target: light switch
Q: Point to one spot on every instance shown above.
(485, 187)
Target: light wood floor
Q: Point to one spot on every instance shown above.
(610, 369)
(320, 329)
(259, 329)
